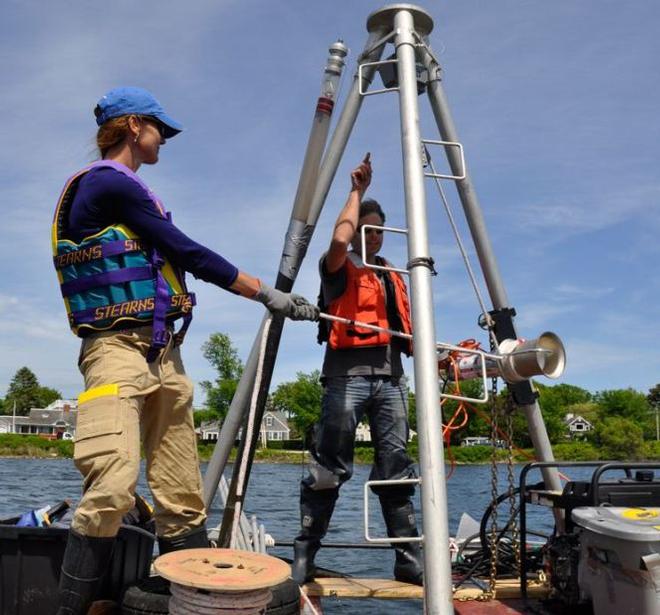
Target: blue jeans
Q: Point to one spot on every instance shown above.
(346, 401)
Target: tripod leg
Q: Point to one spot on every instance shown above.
(487, 260)
(437, 565)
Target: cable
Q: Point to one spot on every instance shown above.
(477, 562)
(464, 255)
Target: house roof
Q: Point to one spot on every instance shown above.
(277, 416)
(570, 419)
(59, 404)
(39, 416)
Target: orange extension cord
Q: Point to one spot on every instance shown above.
(451, 363)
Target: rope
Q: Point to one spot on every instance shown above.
(193, 601)
(451, 363)
(308, 603)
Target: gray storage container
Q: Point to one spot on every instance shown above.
(619, 567)
(31, 558)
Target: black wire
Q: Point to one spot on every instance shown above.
(477, 563)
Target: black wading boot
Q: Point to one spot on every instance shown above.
(315, 511)
(85, 562)
(196, 538)
(399, 518)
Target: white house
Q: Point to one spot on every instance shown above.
(55, 421)
(6, 425)
(577, 425)
(209, 431)
(363, 433)
(274, 426)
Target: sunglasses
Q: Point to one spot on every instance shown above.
(154, 122)
(378, 231)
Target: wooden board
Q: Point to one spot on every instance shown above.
(362, 588)
(395, 590)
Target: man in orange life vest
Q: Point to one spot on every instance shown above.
(362, 375)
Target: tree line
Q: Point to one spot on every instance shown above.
(622, 419)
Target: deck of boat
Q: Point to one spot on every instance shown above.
(466, 600)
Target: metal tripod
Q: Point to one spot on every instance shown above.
(407, 27)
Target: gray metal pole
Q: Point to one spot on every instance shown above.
(319, 133)
(437, 564)
(475, 219)
(466, 191)
(345, 125)
(297, 239)
(232, 422)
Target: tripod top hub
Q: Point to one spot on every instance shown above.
(384, 18)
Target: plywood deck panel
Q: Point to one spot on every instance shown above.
(394, 590)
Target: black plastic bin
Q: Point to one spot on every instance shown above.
(31, 558)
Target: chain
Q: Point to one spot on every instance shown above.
(492, 538)
(513, 521)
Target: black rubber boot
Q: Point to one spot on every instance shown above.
(316, 508)
(85, 562)
(197, 538)
(399, 518)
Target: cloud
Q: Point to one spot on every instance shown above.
(562, 147)
(619, 365)
(581, 214)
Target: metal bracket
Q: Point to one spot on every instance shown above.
(460, 151)
(360, 78)
(363, 243)
(484, 375)
(423, 261)
(399, 481)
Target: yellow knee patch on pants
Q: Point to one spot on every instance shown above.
(99, 427)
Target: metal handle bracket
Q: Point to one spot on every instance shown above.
(399, 481)
(373, 92)
(363, 243)
(462, 174)
(484, 375)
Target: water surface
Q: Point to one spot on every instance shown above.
(273, 496)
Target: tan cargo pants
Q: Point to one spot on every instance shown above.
(128, 401)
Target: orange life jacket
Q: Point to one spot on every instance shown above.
(364, 301)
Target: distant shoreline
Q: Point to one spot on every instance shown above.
(17, 446)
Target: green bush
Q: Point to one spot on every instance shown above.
(33, 446)
(576, 451)
(285, 445)
(275, 445)
(652, 450)
(472, 454)
(619, 438)
(364, 454)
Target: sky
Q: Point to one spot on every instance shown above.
(556, 104)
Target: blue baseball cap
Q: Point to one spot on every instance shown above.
(134, 101)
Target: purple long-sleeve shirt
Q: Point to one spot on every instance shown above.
(105, 197)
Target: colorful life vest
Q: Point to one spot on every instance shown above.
(364, 301)
(113, 276)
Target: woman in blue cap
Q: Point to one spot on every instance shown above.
(120, 262)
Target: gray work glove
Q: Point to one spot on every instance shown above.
(287, 304)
